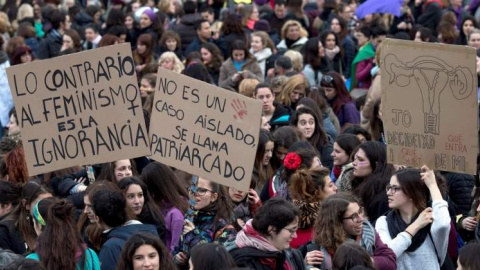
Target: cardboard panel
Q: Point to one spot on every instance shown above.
(204, 130)
(430, 105)
(78, 109)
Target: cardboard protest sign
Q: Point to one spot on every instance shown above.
(204, 130)
(83, 108)
(430, 105)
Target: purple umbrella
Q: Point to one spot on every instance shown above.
(379, 6)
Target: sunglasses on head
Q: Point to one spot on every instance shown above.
(327, 79)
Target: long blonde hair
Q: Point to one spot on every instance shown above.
(292, 83)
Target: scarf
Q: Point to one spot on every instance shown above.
(367, 241)
(396, 225)
(337, 170)
(290, 42)
(238, 65)
(366, 52)
(249, 237)
(331, 53)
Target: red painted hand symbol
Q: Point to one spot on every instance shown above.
(240, 108)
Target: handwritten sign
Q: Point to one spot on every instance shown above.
(204, 130)
(77, 109)
(430, 105)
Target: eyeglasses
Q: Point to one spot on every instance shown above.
(394, 189)
(292, 231)
(357, 216)
(198, 191)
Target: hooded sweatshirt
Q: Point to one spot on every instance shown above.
(116, 238)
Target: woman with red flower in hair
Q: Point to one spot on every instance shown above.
(301, 155)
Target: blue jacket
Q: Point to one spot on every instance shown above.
(91, 262)
(116, 238)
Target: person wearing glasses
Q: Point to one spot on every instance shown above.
(415, 231)
(341, 219)
(264, 242)
(340, 100)
(212, 222)
(371, 174)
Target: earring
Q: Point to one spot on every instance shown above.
(28, 217)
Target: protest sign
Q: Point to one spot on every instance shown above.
(77, 109)
(430, 106)
(204, 130)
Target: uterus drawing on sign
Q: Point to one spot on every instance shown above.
(432, 75)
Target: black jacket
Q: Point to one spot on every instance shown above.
(460, 188)
(186, 29)
(10, 237)
(50, 46)
(250, 257)
(280, 117)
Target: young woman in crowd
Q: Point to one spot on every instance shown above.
(371, 175)
(306, 121)
(145, 251)
(150, 25)
(71, 40)
(343, 148)
(263, 49)
(468, 258)
(284, 138)
(147, 90)
(22, 55)
(274, 113)
(170, 42)
(117, 170)
(212, 59)
(170, 61)
(468, 24)
(144, 53)
(210, 256)
(294, 36)
(339, 27)
(415, 229)
(340, 219)
(340, 100)
(262, 168)
(293, 90)
(241, 65)
(212, 223)
(326, 122)
(59, 245)
(308, 188)
(334, 52)
(301, 155)
(474, 39)
(264, 242)
(316, 63)
(119, 223)
(87, 224)
(16, 229)
(139, 200)
(10, 197)
(245, 204)
(167, 193)
(351, 254)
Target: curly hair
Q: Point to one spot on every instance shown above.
(308, 184)
(329, 232)
(290, 23)
(16, 165)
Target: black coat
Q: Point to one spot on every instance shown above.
(460, 188)
(250, 257)
(50, 46)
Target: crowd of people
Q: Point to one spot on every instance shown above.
(322, 195)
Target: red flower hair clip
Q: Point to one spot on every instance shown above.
(292, 161)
